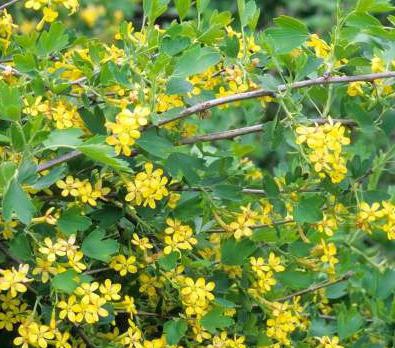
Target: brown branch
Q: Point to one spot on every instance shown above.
(281, 88)
(230, 134)
(83, 336)
(316, 287)
(274, 223)
(8, 4)
(64, 158)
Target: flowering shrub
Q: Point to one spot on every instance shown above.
(195, 182)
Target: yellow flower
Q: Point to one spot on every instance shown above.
(142, 243)
(123, 265)
(173, 199)
(377, 65)
(328, 342)
(147, 187)
(51, 250)
(87, 292)
(35, 4)
(91, 14)
(324, 144)
(355, 88)
(70, 309)
(110, 291)
(14, 280)
(196, 296)
(69, 186)
(178, 237)
(6, 28)
(45, 268)
(321, 48)
(125, 129)
(49, 16)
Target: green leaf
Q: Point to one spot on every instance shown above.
(53, 40)
(231, 46)
(64, 138)
(154, 8)
(173, 46)
(72, 221)
(178, 85)
(202, 5)
(10, 103)
(25, 62)
(235, 253)
(97, 247)
(248, 13)
(196, 60)
(182, 7)
(184, 166)
(308, 209)
(7, 170)
(289, 34)
(17, 137)
(69, 280)
(348, 322)
(20, 247)
(295, 279)
(104, 154)
(215, 319)
(270, 186)
(94, 120)
(154, 144)
(52, 177)
(226, 191)
(175, 330)
(168, 262)
(17, 201)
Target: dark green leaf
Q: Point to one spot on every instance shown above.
(72, 221)
(97, 247)
(215, 319)
(235, 253)
(308, 209)
(174, 330)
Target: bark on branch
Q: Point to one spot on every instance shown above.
(316, 287)
(281, 88)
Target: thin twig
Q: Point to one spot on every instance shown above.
(281, 88)
(274, 223)
(98, 270)
(83, 336)
(64, 158)
(8, 4)
(316, 287)
(230, 134)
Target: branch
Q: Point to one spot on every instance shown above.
(281, 88)
(274, 223)
(8, 4)
(230, 134)
(64, 158)
(314, 288)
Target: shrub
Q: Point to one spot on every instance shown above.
(200, 183)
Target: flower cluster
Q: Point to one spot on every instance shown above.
(321, 48)
(14, 280)
(49, 9)
(85, 304)
(264, 274)
(58, 251)
(324, 144)
(83, 190)
(7, 27)
(125, 129)
(327, 252)
(147, 187)
(377, 216)
(285, 319)
(178, 237)
(196, 296)
(222, 340)
(124, 265)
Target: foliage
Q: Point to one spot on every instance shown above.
(187, 179)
